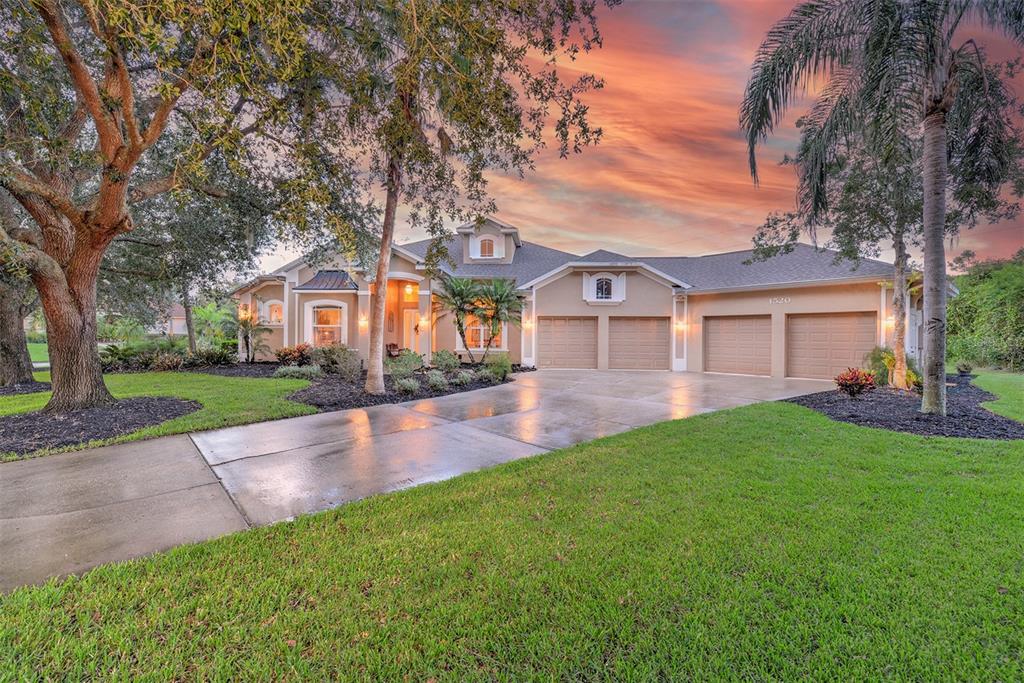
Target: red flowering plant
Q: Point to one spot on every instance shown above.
(853, 381)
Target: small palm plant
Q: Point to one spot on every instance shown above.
(252, 334)
(499, 303)
(459, 297)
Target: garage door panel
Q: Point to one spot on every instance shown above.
(639, 343)
(738, 344)
(567, 342)
(823, 345)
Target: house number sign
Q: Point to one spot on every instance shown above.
(779, 299)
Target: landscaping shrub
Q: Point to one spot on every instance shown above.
(299, 372)
(854, 381)
(407, 385)
(485, 375)
(462, 378)
(436, 380)
(35, 337)
(964, 368)
(166, 361)
(499, 365)
(300, 354)
(880, 362)
(404, 365)
(213, 355)
(340, 360)
(914, 379)
(445, 361)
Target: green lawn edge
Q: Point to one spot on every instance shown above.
(226, 402)
(1009, 388)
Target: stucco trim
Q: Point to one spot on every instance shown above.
(787, 285)
(637, 266)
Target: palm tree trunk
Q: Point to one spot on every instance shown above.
(935, 174)
(461, 327)
(899, 312)
(375, 363)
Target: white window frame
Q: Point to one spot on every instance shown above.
(308, 307)
(498, 241)
(590, 288)
(459, 346)
(265, 312)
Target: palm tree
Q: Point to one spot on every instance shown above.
(894, 73)
(499, 304)
(461, 298)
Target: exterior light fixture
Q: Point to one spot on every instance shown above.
(890, 321)
(680, 325)
(408, 289)
(527, 323)
(363, 322)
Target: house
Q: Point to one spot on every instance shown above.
(800, 314)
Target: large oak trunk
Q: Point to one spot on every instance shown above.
(15, 362)
(935, 171)
(190, 328)
(899, 312)
(69, 304)
(375, 363)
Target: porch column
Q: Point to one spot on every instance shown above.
(363, 324)
(425, 323)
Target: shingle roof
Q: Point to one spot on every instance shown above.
(531, 260)
(328, 279)
(730, 270)
(705, 273)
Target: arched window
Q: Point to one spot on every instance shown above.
(486, 248)
(604, 288)
(273, 312)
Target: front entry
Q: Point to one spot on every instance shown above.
(409, 317)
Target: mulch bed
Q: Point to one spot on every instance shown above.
(334, 393)
(899, 411)
(24, 388)
(27, 432)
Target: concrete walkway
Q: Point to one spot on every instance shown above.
(66, 513)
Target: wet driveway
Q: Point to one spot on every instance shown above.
(66, 513)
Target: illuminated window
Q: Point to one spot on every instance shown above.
(326, 325)
(604, 288)
(486, 248)
(477, 334)
(273, 313)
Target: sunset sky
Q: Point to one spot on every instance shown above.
(670, 175)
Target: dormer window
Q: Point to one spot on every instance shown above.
(603, 289)
(486, 248)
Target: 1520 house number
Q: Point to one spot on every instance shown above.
(779, 299)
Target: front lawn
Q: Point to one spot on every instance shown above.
(226, 401)
(764, 542)
(1009, 387)
(38, 352)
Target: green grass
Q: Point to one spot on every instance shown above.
(765, 542)
(38, 352)
(226, 401)
(1009, 387)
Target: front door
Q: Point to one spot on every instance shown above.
(409, 328)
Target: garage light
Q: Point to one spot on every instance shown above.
(363, 322)
(680, 325)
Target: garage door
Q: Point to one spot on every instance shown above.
(639, 343)
(822, 346)
(738, 344)
(567, 342)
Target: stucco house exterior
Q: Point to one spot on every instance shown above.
(797, 315)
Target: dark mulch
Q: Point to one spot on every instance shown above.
(24, 388)
(334, 393)
(27, 432)
(240, 370)
(899, 411)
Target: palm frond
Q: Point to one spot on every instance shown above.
(815, 38)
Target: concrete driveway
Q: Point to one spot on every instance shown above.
(66, 513)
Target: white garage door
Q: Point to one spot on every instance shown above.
(567, 342)
(738, 344)
(639, 343)
(821, 346)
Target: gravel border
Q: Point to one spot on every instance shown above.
(899, 411)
